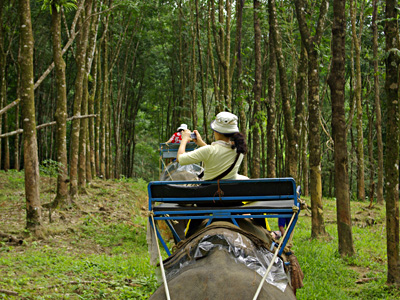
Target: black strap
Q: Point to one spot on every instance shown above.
(222, 175)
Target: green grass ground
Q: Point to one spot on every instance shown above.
(98, 250)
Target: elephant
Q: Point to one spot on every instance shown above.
(224, 261)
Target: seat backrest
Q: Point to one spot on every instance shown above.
(281, 192)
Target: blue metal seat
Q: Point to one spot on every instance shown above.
(239, 199)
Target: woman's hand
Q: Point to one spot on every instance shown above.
(186, 135)
(199, 141)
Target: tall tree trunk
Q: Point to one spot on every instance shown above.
(75, 130)
(222, 38)
(271, 106)
(104, 107)
(2, 73)
(255, 168)
(301, 88)
(99, 117)
(217, 92)
(31, 161)
(304, 161)
(242, 102)
(82, 138)
(202, 75)
(392, 142)
(337, 84)
(379, 143)
(193, 66)
(360, 135)
(290, 131)
(61, 111)
(16, 140)
(311, 43)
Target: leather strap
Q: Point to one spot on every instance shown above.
(222, 175)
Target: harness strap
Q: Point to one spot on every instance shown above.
(273, 259)
(219, 192)
(160, 258)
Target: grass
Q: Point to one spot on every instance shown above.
(98, 250)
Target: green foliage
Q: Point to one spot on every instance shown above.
(50, 167)
(68, 5)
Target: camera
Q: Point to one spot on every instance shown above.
(193, 136)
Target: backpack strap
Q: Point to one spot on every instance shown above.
(222, 175)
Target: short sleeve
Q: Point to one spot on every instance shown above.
(195, 156)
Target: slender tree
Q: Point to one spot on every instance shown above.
(358, 92)
(271, 106)
(256, 119)
(31, 161)
(392, 141)
(311, 43)
(75, 130)
(290, 131)
(241, 100)
(337, 84)
(378, 114)
(61, 108)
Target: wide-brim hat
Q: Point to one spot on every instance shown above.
(225, 122)
(182, 127)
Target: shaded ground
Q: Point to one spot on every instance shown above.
(83, 249)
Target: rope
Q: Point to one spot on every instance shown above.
(165, 168)
(159, 256)
(273, 259)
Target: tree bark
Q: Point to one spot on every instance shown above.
(392, 142)
(2, 75)
(203, 82)
(271, 106)
(311, 43)
(255, 167)
(360, 135)
(105, 101)
(31, 162)
(290, 131)
(61, 111)
(242, 102)
(378, 114)
(75, 130)
(337, 83)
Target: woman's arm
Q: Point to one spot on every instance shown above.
(199, 141)
(185, 139)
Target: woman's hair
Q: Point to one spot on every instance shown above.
(239, 142)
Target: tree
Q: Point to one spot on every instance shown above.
(360, 135)
(256, 119)
(337, 82)
(379, 187)
(271, 106)
(31, 162)
(311, 44)
(392, 142)
(81, 64)
(290, 131)
(61, 108)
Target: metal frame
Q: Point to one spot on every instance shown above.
(218, 212)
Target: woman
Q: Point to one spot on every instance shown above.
(177, 136)
(223, 155)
